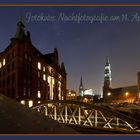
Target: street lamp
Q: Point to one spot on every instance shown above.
(109, 94)
(126, 94)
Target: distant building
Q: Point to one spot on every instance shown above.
(127, 94)
(29, 76)
(85, 95)
(71, 95)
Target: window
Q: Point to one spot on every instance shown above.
(49, 79)
(3, 83)
(24, 92)
(30, 59)
(0, 65)
(38, 74)
(8, 58)
(39, 65)
(38, 94)
(44, 77)
(26, 56)
(3, 71)
(30, 103)
(53, 81)
(13, 54)
(29, 93)
(8, 68)
(13, 78)
(13, 65)
(13, 92)
(8, 80)
(44, 68)
(39, 102)
(4, 62)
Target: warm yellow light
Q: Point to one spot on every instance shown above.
(22, 102)
(126, 93)
(0, 65)
(39, 65)
(85, 100)
(44, 68)
(3, 62)
(44, 77)
(49, 79)
(30, 103)
(109, 93)
(38, 94)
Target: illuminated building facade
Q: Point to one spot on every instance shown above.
(127, 94)
(71, 95)
(29, 76)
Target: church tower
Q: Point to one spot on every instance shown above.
(107, 79)
(81, 88)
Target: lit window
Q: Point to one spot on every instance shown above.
(30, 103)
(49, 79)
(3, 62)
(38, 94)
(53, 81)
(44, 69)
(62, 98)
(39, 102)
(0, 65)
(44, 77)
(39, 65)
(22, 102)
(59, 88)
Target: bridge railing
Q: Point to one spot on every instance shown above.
(71, 112)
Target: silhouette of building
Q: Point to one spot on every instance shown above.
(127, 94)
(29, 76)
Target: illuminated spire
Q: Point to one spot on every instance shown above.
(107, 73)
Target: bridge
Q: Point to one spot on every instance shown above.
(88, 116)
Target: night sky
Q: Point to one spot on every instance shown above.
(83, 46)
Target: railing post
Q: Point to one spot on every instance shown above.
(46, 110)
(117, 122)
(79, 115)
(96, 118)
(55, 113)
(66, 115)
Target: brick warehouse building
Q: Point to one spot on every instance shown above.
(29, 76)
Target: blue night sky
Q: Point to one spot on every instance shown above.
(84, 46)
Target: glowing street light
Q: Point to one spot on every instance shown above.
(126, 94)
(109, 94)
